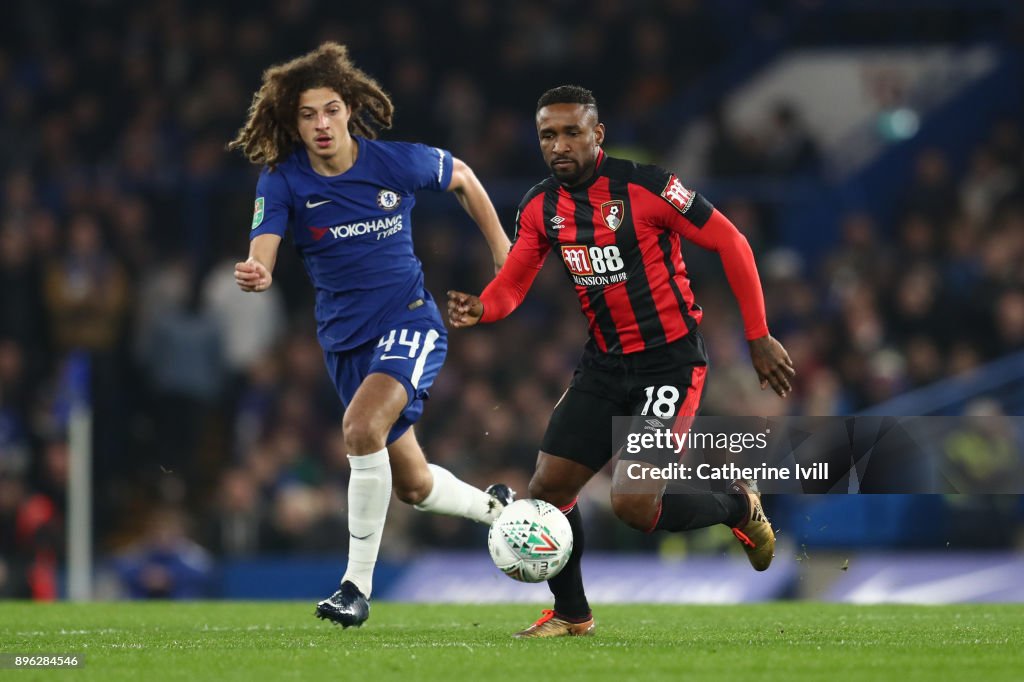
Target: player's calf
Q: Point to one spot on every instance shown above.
(637, 510)
(561, 496)
(413, 489)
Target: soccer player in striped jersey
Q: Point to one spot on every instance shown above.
(347, 200)
(617, 227)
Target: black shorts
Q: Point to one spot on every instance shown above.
(665, 383)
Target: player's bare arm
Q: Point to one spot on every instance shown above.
(473, 197)
(464, 310)
(772, 364)
(256, 273)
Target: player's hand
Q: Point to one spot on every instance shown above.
(252, 275)
(772, 363)
(464, 310)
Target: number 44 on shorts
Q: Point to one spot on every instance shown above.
(412, 342)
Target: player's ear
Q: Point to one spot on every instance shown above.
(599, 134)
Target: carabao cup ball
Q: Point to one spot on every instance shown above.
(530, 541)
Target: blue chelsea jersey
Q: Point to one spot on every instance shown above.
(353, 233)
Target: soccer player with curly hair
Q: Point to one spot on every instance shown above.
(347, 199)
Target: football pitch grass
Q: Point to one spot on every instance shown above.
(256, 641)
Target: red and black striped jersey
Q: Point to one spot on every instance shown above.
(619, 238)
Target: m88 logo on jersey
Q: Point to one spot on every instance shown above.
(577, 259)
(583, 260)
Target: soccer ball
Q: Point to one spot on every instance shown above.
(530, 541)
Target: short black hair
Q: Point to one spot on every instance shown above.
(568, 94)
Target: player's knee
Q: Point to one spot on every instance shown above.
(363, 436)
(636, 510)
(551, 492)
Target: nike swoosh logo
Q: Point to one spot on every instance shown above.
(319, 203)
(356, 537)
(394, 357)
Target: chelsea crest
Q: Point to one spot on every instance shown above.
(388, 199)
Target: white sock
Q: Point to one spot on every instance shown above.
(369, 492)
(451, 496)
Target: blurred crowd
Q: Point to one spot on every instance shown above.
(216, 431)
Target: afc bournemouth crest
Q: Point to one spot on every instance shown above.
(613, 212)
(388, 200)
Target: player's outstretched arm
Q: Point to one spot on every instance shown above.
(772, 364)
(771, 361)
(717, 233)
(473, 197)
(256, 273)
(503, 295)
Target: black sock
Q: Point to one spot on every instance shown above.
(567, 586)
(687, 511)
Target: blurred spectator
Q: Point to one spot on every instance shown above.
(987, 184)
(789, 148)
(932, 193)
(184, 362)
(166, 563)
(86, 291)
(248, 326)
(21, 307)
(31, 540)
(300, 523)
(237, 517)
(983, 454)
(732, 152)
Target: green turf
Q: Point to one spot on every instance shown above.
(282, 641)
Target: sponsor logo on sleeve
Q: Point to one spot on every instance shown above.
(257, 214)
(677, 195)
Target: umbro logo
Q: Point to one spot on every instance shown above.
(310, 204)
(654, 423)
(556, 222)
